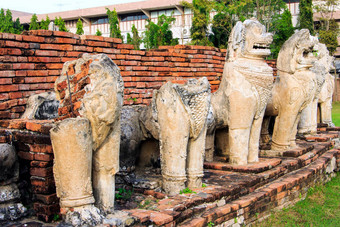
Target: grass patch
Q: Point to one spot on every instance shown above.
(320, 208)
(336, 113)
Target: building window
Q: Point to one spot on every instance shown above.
(100, 20)
(133, 16)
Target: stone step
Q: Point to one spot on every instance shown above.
(223, 187)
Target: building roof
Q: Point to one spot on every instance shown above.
(101, 10)
(16, 14)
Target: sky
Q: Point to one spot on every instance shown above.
(50, 6)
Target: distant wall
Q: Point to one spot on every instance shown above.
(30, 63)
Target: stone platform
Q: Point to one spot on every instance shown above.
(230, 194)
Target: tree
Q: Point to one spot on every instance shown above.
(282, 28)
(79, 26)
(305, 19)
(58, 21)
(159, 34)
(200, 21)
(114, 24)
(135, 40)
(327, 28)
(7, 25)
(18, 28)
(44, 24)
(2, 20)
(98, 33)
(34, 25)
(222, 24)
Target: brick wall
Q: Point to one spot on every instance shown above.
(31, 62)
(33, 145)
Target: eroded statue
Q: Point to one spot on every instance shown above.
(296, 87)
(177, 117)
(323, 95)
(308, 122)
(86, 148)
(245, 88)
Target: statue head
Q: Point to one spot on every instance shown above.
(250, 40)
(297, 52)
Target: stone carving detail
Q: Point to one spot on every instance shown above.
(245, 88)
(178, 116)
(41, 106)
(95, 136)
(10, 208)
(323, 95)
(294, 89)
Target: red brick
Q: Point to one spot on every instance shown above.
(160, 218)
(36, 39)
(13, 87)
(41, 148)
(16, 44)
(7, 73)
(23, 66)
(40, 33)
(41, 164)
(46, 209)
(47, 199)
(5, 80)
(43, 185)
(54, 66)
(197, 222)
(6, 66)
(41, 172)
(26, 155)
(125, 46)
(4, 96)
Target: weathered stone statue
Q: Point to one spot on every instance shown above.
(10, 206)
(177, 116)
(323, 95)
(295, 87)
(41, 106)
(87, 147)
(245, 88)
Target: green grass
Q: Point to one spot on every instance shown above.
(336, 113)
(320, 208)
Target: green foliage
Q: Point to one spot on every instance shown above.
(282, 29)
(44, 24)
(204, 185)
(114, 24)
(34, 25)
(327, 27)
(144, 204)
(7, 25)
(210, 224)
(221, 28)
(18, 28)
(336, 113)
(135, 40)
(330, 39)
(186, 191)
(56, 217)
(305, 19)
(159, 34)
(98, 33)
(61, 24)
(79, 26)
(123, 194)
(200, 21)
(320, 208)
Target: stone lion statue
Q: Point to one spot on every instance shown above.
(86, 148)
(308, 122)
(295, 87)
(245, 88)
